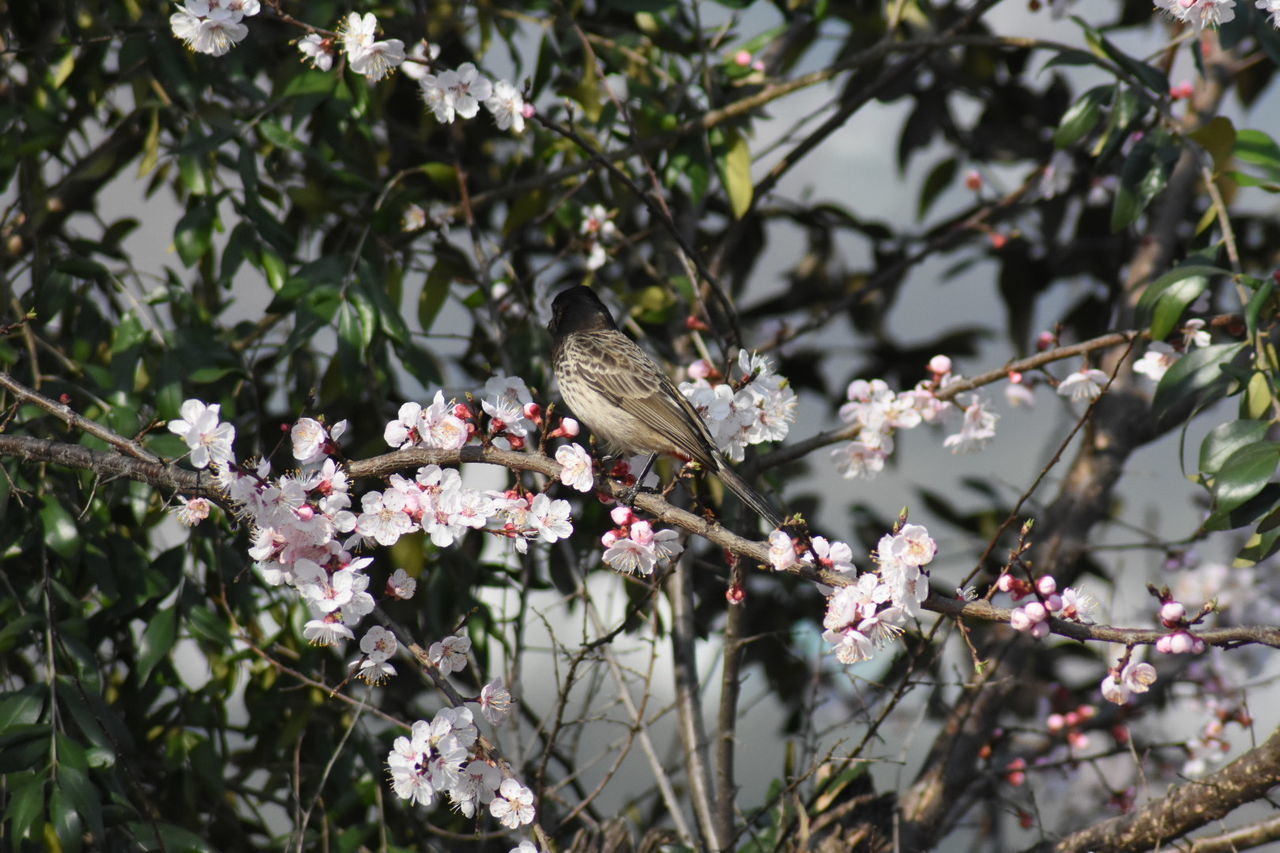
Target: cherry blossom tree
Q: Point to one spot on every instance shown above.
(302, 551)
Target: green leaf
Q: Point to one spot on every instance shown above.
(735, 172)
(150, 146)
(1081, 117)
(351, 335)
(91, 715)
(26, 804)
(1218, 137)
(194, 233)
(22, 708)
(1126, 108)
(205, 624)
(273, 267)
(60, 531)
(1254, 146)
(80, 792)
(11, 631)
(1246, 180)
(191, 169)
(1260, 546)
(1195, 379)
(1164, 300)
(432, 297)
(157, 641)
(310, 82)
(66, 820)
(1244, 473)
(1249, 512)
(1258, 395)
(1262, 290)
(275, 133)
(939, 178)
(1145, 173)
(170, 837)
(1225, 439)
(1152, 78)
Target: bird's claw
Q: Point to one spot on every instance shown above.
(629, 494)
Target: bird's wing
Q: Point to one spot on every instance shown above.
(635, 383)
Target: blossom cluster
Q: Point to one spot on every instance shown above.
(303, 526)
(867, 614)
(1173, 615)
(459, 93)
(758, 407)
(1160, 356)
(1210, 746)
(1123, 681)
(1033, 618)
(212, 26)
(441, 758)
(599, 231)
(436, 502)
(215, 26)
(634, 546)
(301, 522)
(1199, 14)
(875, 412)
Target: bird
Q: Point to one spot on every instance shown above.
(626, 399)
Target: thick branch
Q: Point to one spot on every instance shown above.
(1185, 807)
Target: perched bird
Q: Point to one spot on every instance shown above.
(626, 399)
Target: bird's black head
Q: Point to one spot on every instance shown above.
(578, 309)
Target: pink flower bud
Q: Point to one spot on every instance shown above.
(642, 533)
(973, 180)
(462, 411)
(609, 539)
(622, 515)
(742, 57)
(1181, 643)
(1047, 585)
(569, 427)
(940, 365)
(1045, 340)
(1072, 718)
(1078, 740)
(1004, 583)
(700, 369)
(1164, 645)
(1019, 620)
(306, 512)
(1055, 723)
(1036, 611)
(533, 412)
(1172, 613)
(1040, 630)
(1053, 603)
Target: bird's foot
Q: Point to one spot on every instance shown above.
(629, 494)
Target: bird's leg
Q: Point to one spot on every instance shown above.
(629, 496)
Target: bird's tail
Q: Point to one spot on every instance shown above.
(746, 494)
